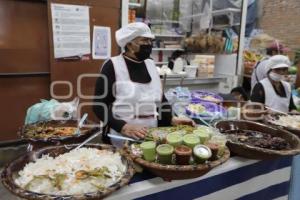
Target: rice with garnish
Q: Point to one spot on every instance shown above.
(79, 171)
(292, 121)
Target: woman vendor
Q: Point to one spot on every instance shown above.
(274, 91)
(133, 93)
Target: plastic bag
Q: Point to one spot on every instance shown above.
(51, 110)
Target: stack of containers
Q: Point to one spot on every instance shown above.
(205, 63)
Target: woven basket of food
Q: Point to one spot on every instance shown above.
(173, 153)
(55, 132)
(62, 172)
(258, 141)
(289, 122)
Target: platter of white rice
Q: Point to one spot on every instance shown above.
(83, 173)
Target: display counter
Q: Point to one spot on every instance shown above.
(238, 178)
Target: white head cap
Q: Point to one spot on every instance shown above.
(131, 31)
(279, 61)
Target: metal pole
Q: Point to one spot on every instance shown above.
(240, 69)
(124, 10)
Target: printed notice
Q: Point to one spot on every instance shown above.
(71, 30)
(101, 42)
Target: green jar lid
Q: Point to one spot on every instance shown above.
(191, 139)
(148, 145)
(174, 137)
(165, 149)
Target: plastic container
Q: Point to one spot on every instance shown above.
(174, 139)
(148, 149)
(178, 65)
(203, 136)
(191, 140)
(165, 152)
(214, 150)
(201, 153)
(183, 155)
(221, 141)
(191, 70)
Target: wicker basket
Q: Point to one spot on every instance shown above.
(256, 152)
(269, 120)
(38, 143)
(11, 170)
(179, 172)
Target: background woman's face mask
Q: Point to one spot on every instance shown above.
(276, 77)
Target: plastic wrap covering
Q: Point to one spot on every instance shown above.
(223, 4)
(165, 16)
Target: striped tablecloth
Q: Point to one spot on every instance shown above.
(238, 178)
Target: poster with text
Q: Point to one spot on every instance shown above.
(71, 30)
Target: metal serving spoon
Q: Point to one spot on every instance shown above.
(80, 124)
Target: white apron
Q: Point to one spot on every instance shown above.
(135, 99)
(273, 100)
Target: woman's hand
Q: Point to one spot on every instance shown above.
(182, 121)
(134, 131)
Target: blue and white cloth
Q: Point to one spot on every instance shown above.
(295, 179)
(238, 178)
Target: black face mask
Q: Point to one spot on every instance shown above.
(144, 52)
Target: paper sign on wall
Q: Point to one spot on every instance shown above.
(71, 30)
(101, 42)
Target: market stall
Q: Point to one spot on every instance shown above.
(164, 121)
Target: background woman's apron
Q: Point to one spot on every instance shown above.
(273, 100)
